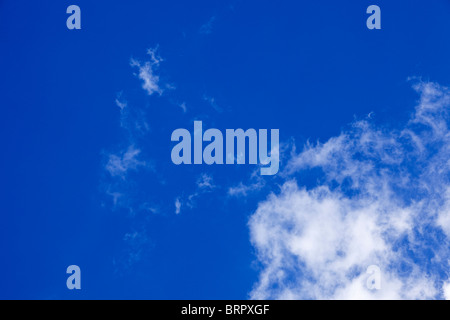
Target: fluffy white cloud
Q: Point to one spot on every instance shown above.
(446, 289)
(383, 200)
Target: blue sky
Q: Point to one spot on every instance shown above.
(87, 178)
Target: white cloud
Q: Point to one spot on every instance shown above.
(177, 206)
(121, 104)
(383, 200)
(132, 119)
(446, 289)
(205, 182)
(147, 72)
(136, 243)
(147, 75)
(240, 190)
(155, 58)
(243, 190)
(212, 102)
(204, 185)
(183, 107)
(119, 165)
(208, 26)
(444, 212)
(115, 196)
(118, 185)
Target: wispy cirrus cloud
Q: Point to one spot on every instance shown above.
(147, 71)
(150, 81)
(205, 182)
(382, 199)
(207, 28)
(244, 190)
(136, 248)
(212, 102)
(204, 185)
(120, 164)
(119, 183)
(183, 107)
(121, 103)
(254, 185)
(177, 206)
(133, 121)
